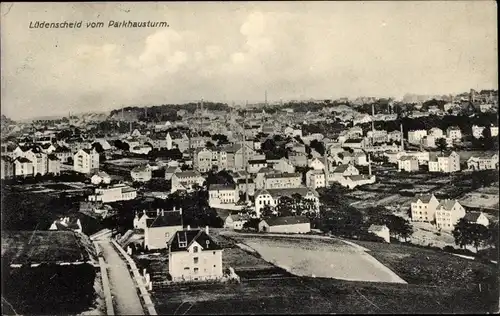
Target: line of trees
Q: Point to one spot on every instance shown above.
(476, 235)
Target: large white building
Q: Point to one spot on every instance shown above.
(113, 193)
(86, 161)
(286, 225)
(271, 197)
(223, 194)
(448, 213)
(186, 180)
(414, 137)
(445, 163)
(483, 162)
(423, 208)
(408, 163)
(194, 256)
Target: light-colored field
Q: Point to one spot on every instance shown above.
(480, 200)
(127, 162)
(318, 258)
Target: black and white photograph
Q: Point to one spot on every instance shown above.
(249, 157)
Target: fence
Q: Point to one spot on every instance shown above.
(105, 282)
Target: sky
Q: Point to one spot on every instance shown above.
(235, 51)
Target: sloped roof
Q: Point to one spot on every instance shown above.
(168, 219)
(221, 187)
(472, 216)
(404, 158)
(189, 236)
(237, 217)
(144, 168)
(286, 220)
(187, 174)
(23, 160)
(276, 193)
(359, 177)
(377, 228)
(447, 204)
(341, 168)
(283, 175)
(425, 198)
(52, 157)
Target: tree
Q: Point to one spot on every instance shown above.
(121, 145)
(461, 233)
(318, 146)
(478, 234)
(266, 212)
(285, 206)
(493, 234)
(441, 144)
(210, 145)
(399, 227)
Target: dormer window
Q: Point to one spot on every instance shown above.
(195, 249)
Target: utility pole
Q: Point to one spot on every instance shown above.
(244, 156)
(402, 137)
(265, 97)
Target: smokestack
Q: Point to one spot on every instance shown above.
(327, 171)
(402, 138)
(162, 212)
(373, 114)
(206, 230)
(369, 165)
(265, 96)
(157, 212)
(188, 227)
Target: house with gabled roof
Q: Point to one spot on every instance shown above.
(380, 231)
(408, 163)
(285, 225)
(161, 228)
(444, 162)
(483, 162)
(477, 218)
(141, 173)
(423, 207)
(282, 180)
(448, 213)
(341, 171)
(169, 172)
(194, 256)
(186, 180)
(222, 194)
(235, 221)
(284, 165)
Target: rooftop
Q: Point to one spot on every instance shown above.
(185, 238)
(287, 220)
(165, 219)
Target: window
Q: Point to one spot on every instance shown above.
(195, 270)
(214, 252)
(214, 265)
(167, 235)
(186, 268)
(195, 260)
(195, 249)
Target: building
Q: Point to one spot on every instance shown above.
(493, 131)
(53, 165)
(186, 180)
(408, 163)
(7, 167)
(161, 228)
(436, 132)
(445, 162)
(141, 174)
(286, 225)
(235, 156)
(454, 133)
(193, 255)
(223, 194)
(271, 197)
(380, 231)
(282, 180)
(86, 161)
(100, 177)
(359, 143)
(67, 223)
(315, 179)
(169, 172)
(422, 155)
(342, 171)
(140, 221)
(414, 137)
(377, 136)
(284, 165)
(113, 193)
(297, 159)
(477, 131)
(140, 149)
(483, 162)
(23, 167)
(203, 160)
(254, 165)
(423, 208)
(477, 218)
(448, 213)
(235, 221)
(356, 180)
(316, 164)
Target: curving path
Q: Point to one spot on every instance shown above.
(124, 290)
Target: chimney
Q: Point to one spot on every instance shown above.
(157, 212)
(162, 212)
(369, 165)
(189, 227)
(206, 230)
(144, 212)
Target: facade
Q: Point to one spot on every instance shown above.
(86, 161)
(235, 222)
(282, 180)
(315, 179)
(285, 166)
(342, 171)
(297, 159)
(408, 163)
(100, 177)
(271, 197)
(203, 160)
(114, 193)
(23, 167)
(141, 174)
(185, 180)
(423, 208)
(161, 228)
(316, 164)
(454, 133)
(194, 255)
(414, 137)
(7, 167)
(477, 131)
(53, 165)
(448, 213)
(485, 162)
(445, 163)
(222, 194)
(286, 225)
(477, 218)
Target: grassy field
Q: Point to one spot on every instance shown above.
(315, 295)
(41, 246)
(429, 267)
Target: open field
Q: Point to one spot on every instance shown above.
(429, 267)
(22, 247)
(315, 295)
(127, 162)
(321, 258)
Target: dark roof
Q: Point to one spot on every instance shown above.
(242, 181)
(283, 175)
(23, 160)
(52, 157)
(62, 149)
(287, 220)
(169, 218)
(341, 168)
(472, 216)
(257, 161)
(221, 187)
(425, 198)
(188, 237)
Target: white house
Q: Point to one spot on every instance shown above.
(186, 180)
(86, 161)
(235, 221)
(169, 172)
(483, 162)
(140, 149)
(141, 173)
(445, 163)
(114, 193)
(193, 255)
(286, 225)
(415, 136)
(448, 213)
(381, 231)
(222, 194)
(66, 223)
(454, 133)
(140, 220)
(284, 165)
(161, 228)
(100, 177)
(477, 218)
(315, 179)
(477, 131)
(423, 208)
(408, 163)
(316, 164)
